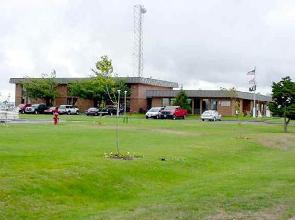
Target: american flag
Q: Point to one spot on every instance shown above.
(252, 72)
(252, 81)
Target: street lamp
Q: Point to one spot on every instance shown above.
(118, 102)
(125, 118)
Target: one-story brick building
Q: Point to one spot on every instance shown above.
(147, 92)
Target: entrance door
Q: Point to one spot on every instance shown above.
(149, 103)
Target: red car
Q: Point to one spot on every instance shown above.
(173, 112)
(22, 107)
(51, 110)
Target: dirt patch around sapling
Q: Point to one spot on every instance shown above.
(273, 213)
(277, 141)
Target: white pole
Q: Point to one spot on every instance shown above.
(125, 117)
(118, 103)
(254, 106)
(254, 98)
(117, 118)
(125, 93)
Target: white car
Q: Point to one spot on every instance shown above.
(68, 109)
(211, 115)
(154, 112)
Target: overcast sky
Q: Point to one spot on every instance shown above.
(199, 44)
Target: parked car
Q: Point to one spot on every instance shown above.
(68, 109)
(112, 109)
(211, 115)
(22, 107)
(173, 112)
(92, 111)
(154, 112)
(36, 109)
(105, 111)
(51, 110)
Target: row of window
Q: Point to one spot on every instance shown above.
(206, 103)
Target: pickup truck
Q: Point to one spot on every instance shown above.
(173, 112)
(36, 109)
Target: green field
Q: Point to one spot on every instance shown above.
(211, 170)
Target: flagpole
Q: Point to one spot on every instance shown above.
(254, 94)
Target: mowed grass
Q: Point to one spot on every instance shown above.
(211, 170)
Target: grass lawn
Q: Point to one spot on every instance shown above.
(211, 170)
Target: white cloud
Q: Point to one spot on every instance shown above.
(207, 44)
(283, 16)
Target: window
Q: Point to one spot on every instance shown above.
(213, 104)
(224, 103)
(165, 101)
(172, 101)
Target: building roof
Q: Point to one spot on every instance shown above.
(129, 80)
(206, 94)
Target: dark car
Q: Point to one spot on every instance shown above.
(92, 111)
(36, 109)
(111, 110)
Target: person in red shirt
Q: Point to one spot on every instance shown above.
(55, 116)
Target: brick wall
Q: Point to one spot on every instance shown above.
(225, 110)
(18, 94)
(60, 101)
(84, 104)
(138, 103)
(156, 102)
(62, 91)
(138, 96)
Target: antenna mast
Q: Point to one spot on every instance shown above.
(138, 11)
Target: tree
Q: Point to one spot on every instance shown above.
(103, 66)
(182, 100)
(102, 86)
(87, 89)
(283, 100)
(42, 88)
(109, 83)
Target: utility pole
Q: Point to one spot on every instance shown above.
(138, 11)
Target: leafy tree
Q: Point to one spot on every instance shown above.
(104, 67)
(283, 96)
(42, 88)
(182, 100)
(87, 89)
(109, 83)
(103, 86)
